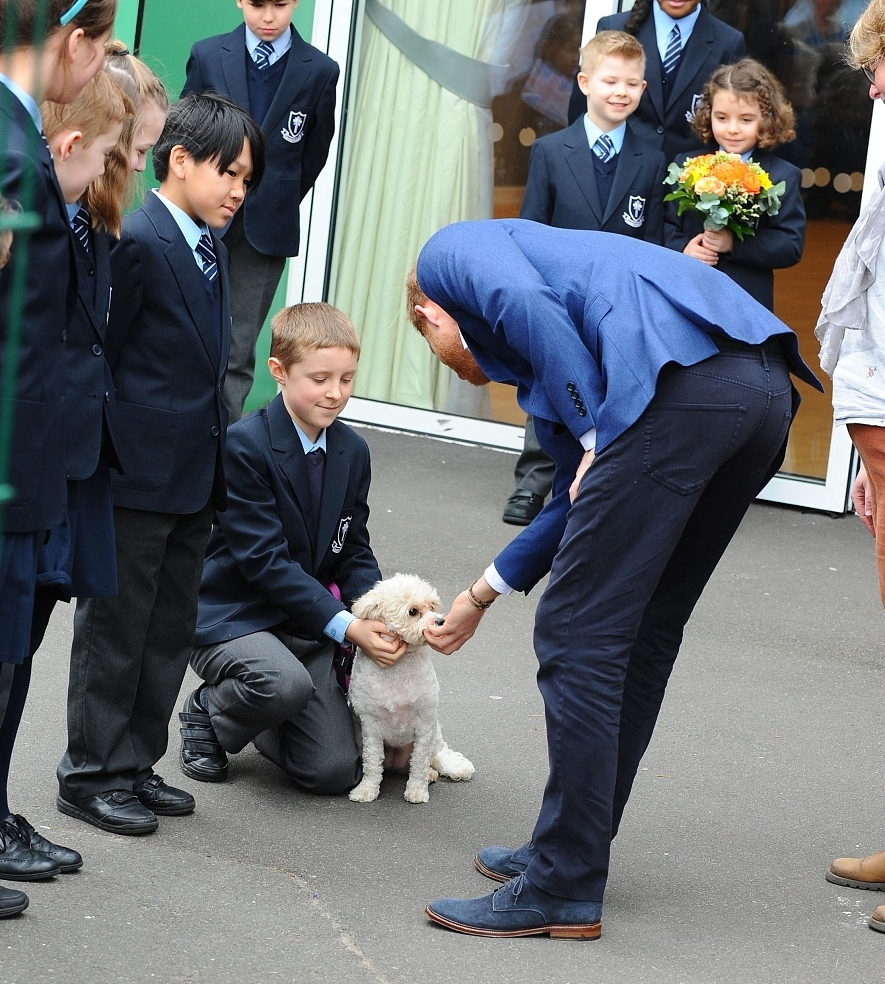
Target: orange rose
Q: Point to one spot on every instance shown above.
(710, 185)
(751, 183)
(729, 172)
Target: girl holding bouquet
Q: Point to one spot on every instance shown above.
(744, 112)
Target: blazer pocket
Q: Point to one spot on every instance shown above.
(152, 435)
(287, 203)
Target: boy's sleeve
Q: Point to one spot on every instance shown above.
(194, 80)
(127, 294)
(653, 227)
(318, 138)
(537, 202)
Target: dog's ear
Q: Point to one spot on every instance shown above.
(368, 605)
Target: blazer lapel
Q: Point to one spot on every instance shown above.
(629, 164)
(233, 66)
(698, 49)
(654, 89)
(224, 281)
(286, 443)
(295, 75)
(579, 158)
(334, 488)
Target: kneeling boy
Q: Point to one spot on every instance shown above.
(287, 557)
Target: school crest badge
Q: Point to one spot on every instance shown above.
(695, 104)
(294, 130)
(343, 527)
(635, 214)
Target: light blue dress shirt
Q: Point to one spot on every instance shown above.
(282, 44)
(594, 133)
(664, 25)
(189, 229)
(26, 99)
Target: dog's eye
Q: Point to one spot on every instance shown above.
(413, 612)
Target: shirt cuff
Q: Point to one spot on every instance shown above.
(496, 582)
(337, 625)
(588, 440)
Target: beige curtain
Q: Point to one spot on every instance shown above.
(417, 158)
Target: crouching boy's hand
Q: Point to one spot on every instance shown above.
(375, 641)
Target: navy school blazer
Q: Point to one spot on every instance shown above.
(38, 400)
(582, 330)
(267, 563)
(561, 188)
(299, 127)
(778, 242)
(167, 368)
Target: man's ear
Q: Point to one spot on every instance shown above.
(430, 313)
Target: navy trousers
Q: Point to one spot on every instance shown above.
(654, 514)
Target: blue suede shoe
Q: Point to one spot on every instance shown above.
(503, 863)
(519, 908)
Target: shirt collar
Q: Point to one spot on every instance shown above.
(282, 44)
(72, 210)
(664, 25)
(26, 99)
(593, 133)
(306, 442)
(189, 229)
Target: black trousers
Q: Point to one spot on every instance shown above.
(654, 514)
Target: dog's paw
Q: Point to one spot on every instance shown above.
(453, 765)
(416, 793)
(432, 775)
(365, 792)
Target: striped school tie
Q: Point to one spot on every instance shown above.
(80, 225)
(604, 148)
(207, 255)
(263, 52)
(674, 50)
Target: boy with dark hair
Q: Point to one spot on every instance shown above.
(167, 340)
(287, 558)
(288, 86)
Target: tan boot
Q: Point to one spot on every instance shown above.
(877, 919)
(866, 872)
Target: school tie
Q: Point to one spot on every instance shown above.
(604, 148)
(263, 52)
(207, 255)
(674, 50)
(316, 471)
(80, 224)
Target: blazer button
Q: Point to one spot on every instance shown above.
(660, 129)
(570, 387)
(214, 432)
(64, 336)
(107, 398)
(96, 349)
(90, 271)
(582, 412)
(576, 398)
(579, 406)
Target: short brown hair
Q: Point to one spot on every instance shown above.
(301, 329)
(99, 106)
(614, 44)
(866, 45)
(749, 80)
(414, 296)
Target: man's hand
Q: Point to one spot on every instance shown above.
(586, 462)
(459, 626)
(376, 641)
(862, 497)
(696, 248)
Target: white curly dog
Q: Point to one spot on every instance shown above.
(397, 706)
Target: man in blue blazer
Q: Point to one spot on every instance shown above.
(663, 394)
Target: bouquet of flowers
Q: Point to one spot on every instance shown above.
(727, 191)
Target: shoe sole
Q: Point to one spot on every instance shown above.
(854, 883)
(170, 811)
(148, 827)
(38, 876)
(192, 773)
(876, 924)
(66, 869)
(490, 872)
(14, 910)
(556, 931)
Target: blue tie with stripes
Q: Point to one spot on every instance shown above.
(80, 224)
(207, 255)
(604, 148)
(674, 50)
(262, 55)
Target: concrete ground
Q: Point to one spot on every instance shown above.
(763, 768)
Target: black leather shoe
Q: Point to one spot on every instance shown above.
(118, 811)
(200, 757)
(522, 507)
(12, 902)
(20, 830)
(165, 801)
(19, 863)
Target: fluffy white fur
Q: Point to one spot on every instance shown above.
(397, 706)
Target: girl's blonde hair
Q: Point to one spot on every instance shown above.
(100, 106)
(749, 80)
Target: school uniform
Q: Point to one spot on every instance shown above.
(666, 109)
(293, 100)
(778, 242)
(166, 344)
(265, 596)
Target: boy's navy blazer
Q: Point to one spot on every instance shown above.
(267, 563)
(36, 455)
(561, 188)
(665, 122)
(307, 86)
(168, 370)
(91, 401)
(582, 330)
(778, 242)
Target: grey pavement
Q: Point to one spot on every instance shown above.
(765, 765)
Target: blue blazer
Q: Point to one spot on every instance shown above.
(778, 242)
(582, 331)
(665, 121)
(267, 563)
(167, 367)
(561, 187)
(304, 107)
(37, 450)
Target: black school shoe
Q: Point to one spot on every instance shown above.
(117, 811)
(12, 902)
(201, 756)
(19, 863)
(21, 831)
(162, 799)
(522, 507)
